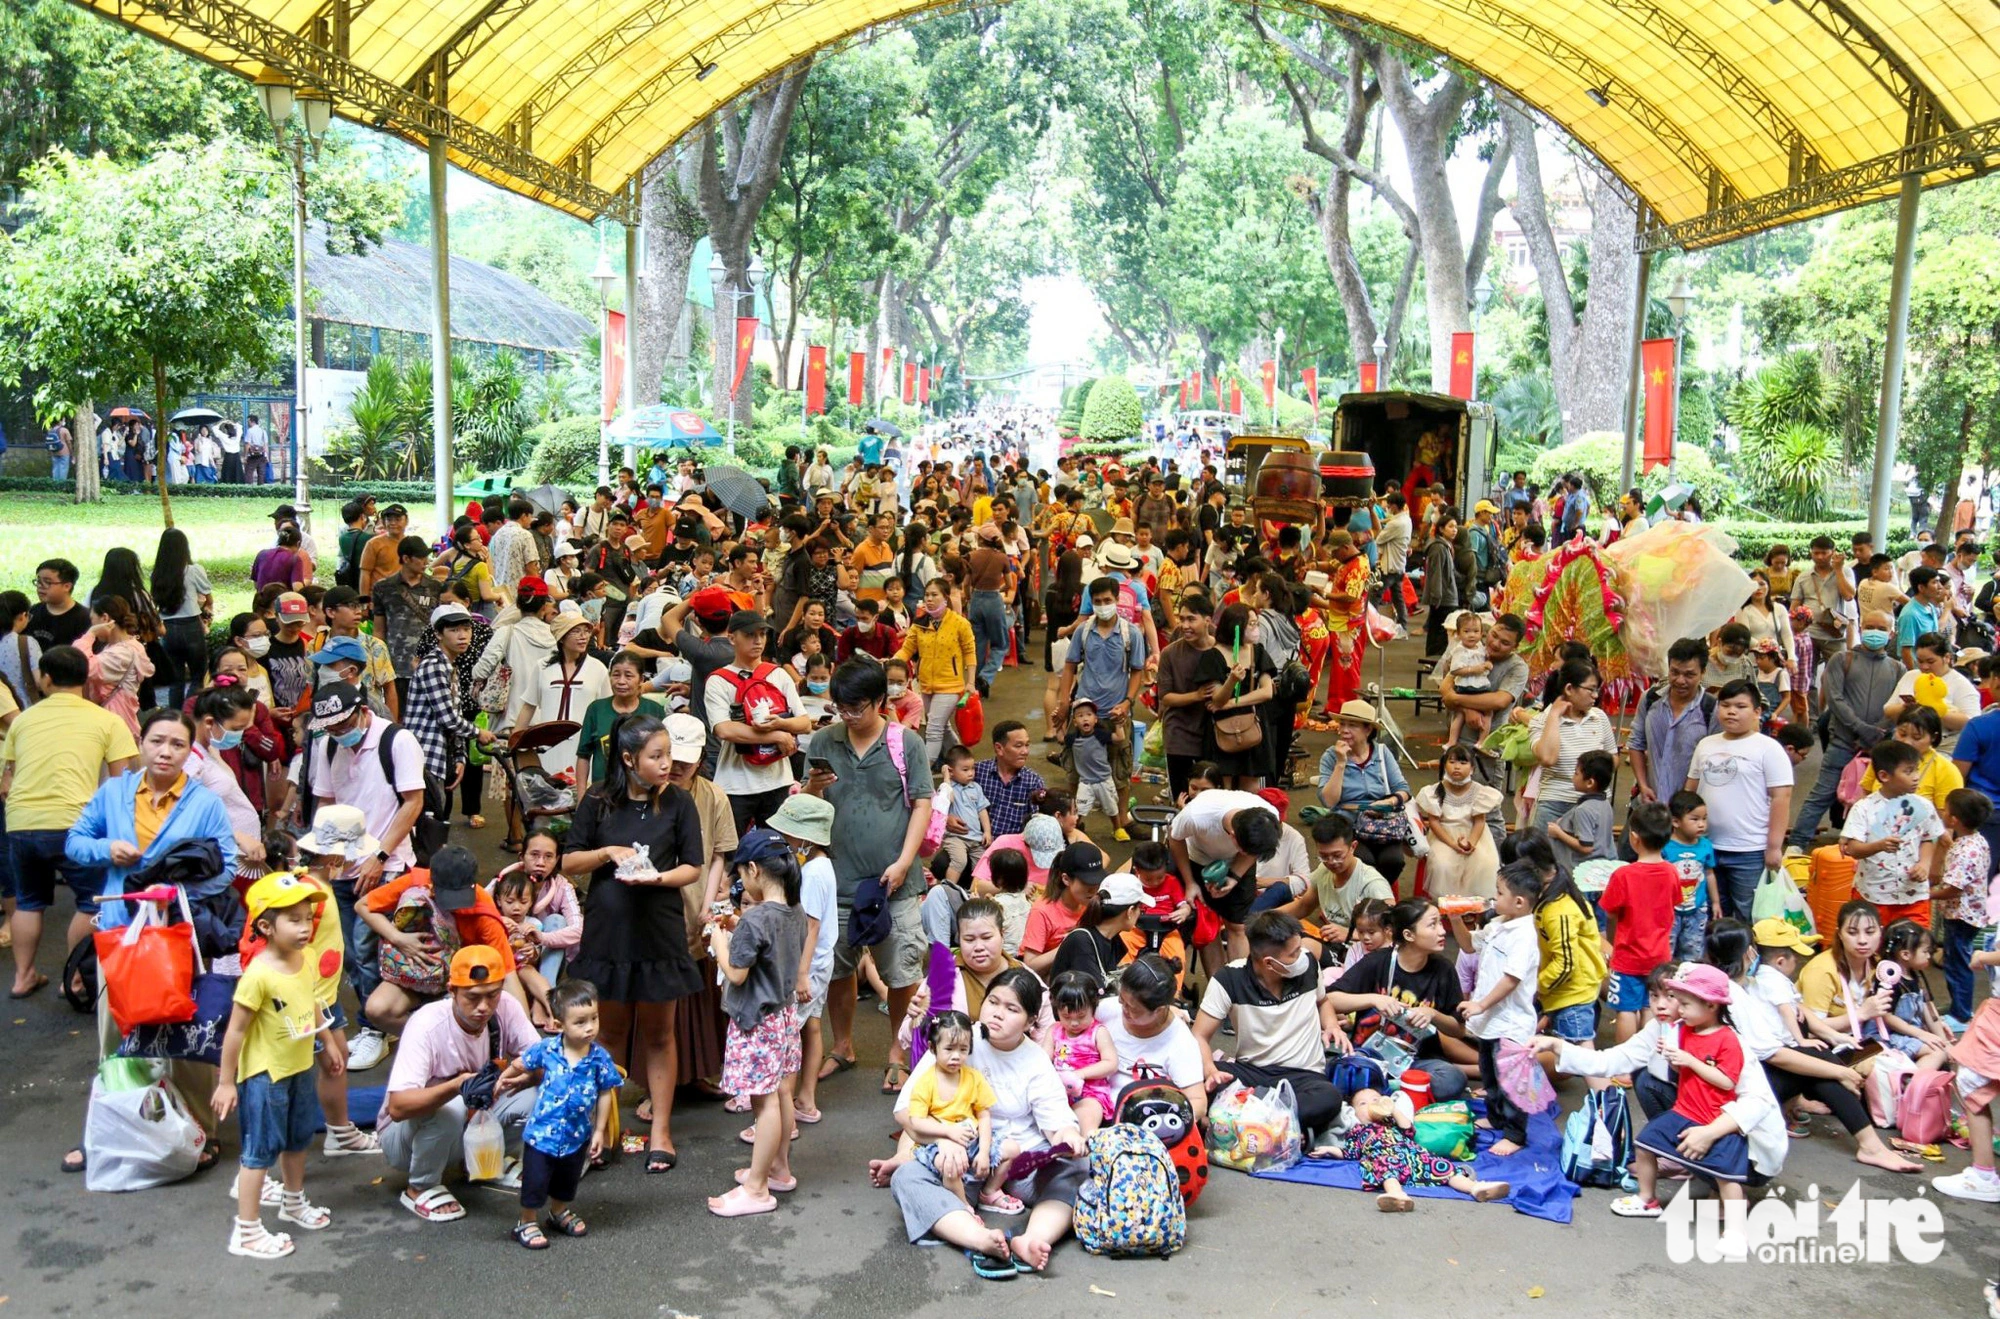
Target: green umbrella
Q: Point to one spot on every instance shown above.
(1672, 496)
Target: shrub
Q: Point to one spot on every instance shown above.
(1753, 539)
(565, 451)
(1596, 458)
(1111, 412)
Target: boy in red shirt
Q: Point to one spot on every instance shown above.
(1640, 900)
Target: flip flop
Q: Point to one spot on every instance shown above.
(1020, 1265)
(82, 1163)
(737, 1203)
(41, 983)
(778, 1185)
(991, 1268)
(834, 1066)
(658, 1161)
(894, 1087)
(807, 1115)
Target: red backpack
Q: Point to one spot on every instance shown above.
(756, 692)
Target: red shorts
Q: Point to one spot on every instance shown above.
(1920, 912)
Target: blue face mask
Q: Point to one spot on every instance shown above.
(351, 738)
(817, 686)
(1874, 638)
(229, 741)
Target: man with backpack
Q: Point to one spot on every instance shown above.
(1106, 666)
(754, 713)
(1670, 721)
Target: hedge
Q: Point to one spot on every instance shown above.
(1754, 539)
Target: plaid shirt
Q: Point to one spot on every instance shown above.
(434, 715)
(1010, 804)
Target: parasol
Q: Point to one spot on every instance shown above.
(882, 427)
(196, 417)
(740, 492)
(546, 498)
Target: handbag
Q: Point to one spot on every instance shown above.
(494, 692)
(147, 969)
(1238, 729)
(198, 1039)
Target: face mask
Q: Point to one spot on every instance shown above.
(1298, 966)
(896, 690)
(817, 686)
(258, 647)
(1875, 638)
(864, 626)
(351, 738)
(934, 610)
(229, 741)
(1105, 613)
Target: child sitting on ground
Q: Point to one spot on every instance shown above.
(1009, 872)
(1465, 663)
(1382, 1142)
(1086, 754)
(1585, 831)
(1081, 1048)
(969, 823)
(1890, 833)
(514, 895)
(267, 1056)
(1693, 856)
(1914, 1028)
(572, 1115)
(1640, 900)
(952, 1102)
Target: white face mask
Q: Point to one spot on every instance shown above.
(1105, 613)
(258, 647)
(896, 690)
(864, 625)
(1299, 965)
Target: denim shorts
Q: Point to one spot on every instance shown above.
(277, 1117)
(1628, 993)
(1576, 1023)
(39, 862)
(1690, 935)
(927, 1155)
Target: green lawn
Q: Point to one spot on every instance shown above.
(225, 535)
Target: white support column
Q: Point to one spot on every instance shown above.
(1889, 421)
(441, 458)
(1628, 463)
(631, 386)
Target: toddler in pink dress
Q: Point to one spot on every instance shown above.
(1082, 1050)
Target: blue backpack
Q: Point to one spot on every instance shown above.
(1132, 1203)
(1356, 1071)
(1597, 1139)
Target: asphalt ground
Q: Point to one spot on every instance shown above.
(835, 1248)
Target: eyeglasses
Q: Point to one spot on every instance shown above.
(853, 712)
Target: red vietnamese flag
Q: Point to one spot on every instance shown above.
(1368, 377)
(909, 382)
(1235, 396)
(885, 380)
(924, 375)
(1268, 369)
(1310, 378)
(746, 341)
(815, 380)
(1657, 366)
(1461, 364)
(857, 377)
(614, 362)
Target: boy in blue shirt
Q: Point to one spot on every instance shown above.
(1690, 853)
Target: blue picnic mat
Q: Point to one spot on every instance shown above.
(365, 1101)
(1539, 1188)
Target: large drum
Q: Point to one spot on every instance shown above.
(1287, 474)
(1348, 478)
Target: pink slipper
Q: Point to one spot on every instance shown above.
(781, 1185)
(736, 1104)
(807, 1115)
(738, 1203)
(749, 1135)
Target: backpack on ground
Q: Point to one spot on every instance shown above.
(1925, 1110)
(1885, 1085)
(756, 691)
(1597, 1139)
(1132, 1203)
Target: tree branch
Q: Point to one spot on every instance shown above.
(1489, 206)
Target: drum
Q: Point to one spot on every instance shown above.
(1348, 478)
(1287, 474)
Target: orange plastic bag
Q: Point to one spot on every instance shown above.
(147, 969)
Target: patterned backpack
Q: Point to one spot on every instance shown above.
(1132, 1203)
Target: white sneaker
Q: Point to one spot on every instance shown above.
(1972, 1184)
(365, 1049)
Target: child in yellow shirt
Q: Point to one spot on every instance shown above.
(952, 1102)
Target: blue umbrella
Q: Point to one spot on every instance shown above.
(658, 423)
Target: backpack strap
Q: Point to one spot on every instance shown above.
(892, 733)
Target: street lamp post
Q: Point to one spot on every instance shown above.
(604, 277)
(1277, 374)
(279, 99)
(1677, 303)
(717, 272)
(1482, 298)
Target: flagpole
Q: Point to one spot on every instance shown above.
(1277, 373)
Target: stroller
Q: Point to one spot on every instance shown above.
(533, 795)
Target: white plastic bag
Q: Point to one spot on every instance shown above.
(1255, 1130)
(137, 1139)
(485, 1147)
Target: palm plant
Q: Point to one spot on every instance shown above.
(1797, 468)
(1528, 411)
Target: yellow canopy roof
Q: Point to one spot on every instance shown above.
(1725, 118)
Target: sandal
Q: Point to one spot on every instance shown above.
(658, 1161)
(891, 1086)
(75, 1161)
(749, 1135)
(35, 986)
(475, 822)
(739, 1203)
(806, 1115)
(778, 1185)
(1799, 1128)
(568, 1224)
(531, 1236)
(304, 1214)
(433, 1204)
(1000, 1202)
(834, 1065)
(991, 1267)
(736, 1104)
(211, 1154)
(252, 1241)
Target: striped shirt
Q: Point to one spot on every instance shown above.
(1593, 732)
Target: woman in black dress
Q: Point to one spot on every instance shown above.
(634, 946)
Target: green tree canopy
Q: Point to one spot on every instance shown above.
(1111, 413)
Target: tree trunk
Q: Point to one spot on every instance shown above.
(1425, 126)
(671, 218)
(85, 462)
(735, 179)
(160, 440)
(1941, 531)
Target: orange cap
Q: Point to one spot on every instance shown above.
(476, 966)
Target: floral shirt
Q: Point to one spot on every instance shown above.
(566, 1107)
(1968, 867)
(1885, 879)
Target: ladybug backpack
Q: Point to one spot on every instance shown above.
(757, 700)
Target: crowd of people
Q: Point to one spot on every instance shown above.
(771, 777)
(195, 452)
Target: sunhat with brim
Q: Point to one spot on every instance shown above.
(1355, 712)
(564, 624)
(1702, 981)
(806, 817)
